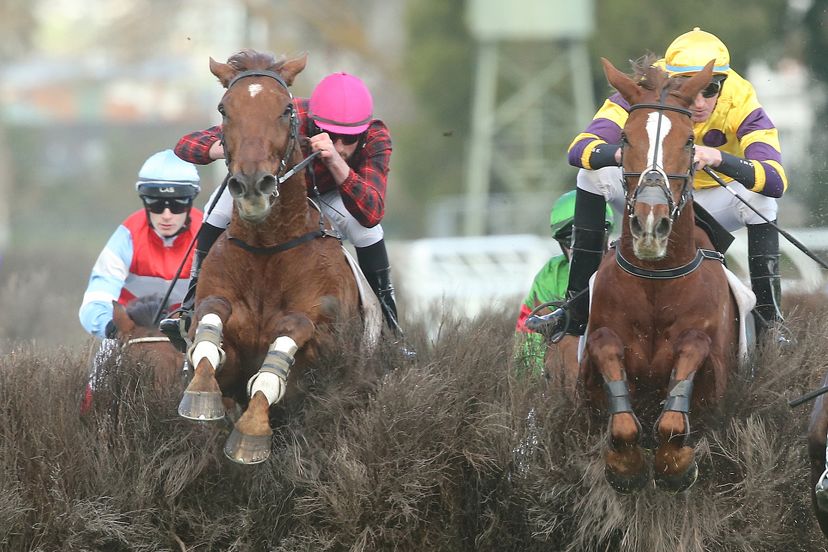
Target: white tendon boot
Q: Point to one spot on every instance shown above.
(271, 379)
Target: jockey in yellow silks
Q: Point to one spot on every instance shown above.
(733, 135)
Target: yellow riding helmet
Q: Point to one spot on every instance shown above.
(690, 52)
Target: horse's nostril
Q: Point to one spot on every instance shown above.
(235, 186)
(662, 229)
(267, 184)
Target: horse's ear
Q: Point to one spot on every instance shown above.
(223, 71)
(293, 67)
(122, 321)
(695, 84)
(621, 82)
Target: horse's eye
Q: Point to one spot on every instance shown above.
(221, 110)
(690, 142)
(624, 140)
(288, 111)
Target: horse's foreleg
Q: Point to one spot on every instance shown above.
(626, 467)
(249, 443)
(675, 464)
(202, 398)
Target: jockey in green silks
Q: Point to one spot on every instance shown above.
(549, 283)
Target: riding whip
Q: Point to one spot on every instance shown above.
(808, 396)
(787, 236)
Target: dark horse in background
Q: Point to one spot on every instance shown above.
(276, 281)
(817, 453)
(663, 326)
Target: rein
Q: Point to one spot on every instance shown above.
(656, 173)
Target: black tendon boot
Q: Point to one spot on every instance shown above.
(588, 243)
(177, 328)
(763, 263)
(373, 261)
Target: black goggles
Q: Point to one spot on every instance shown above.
(714, 88)
(347, 139)
(176, 205)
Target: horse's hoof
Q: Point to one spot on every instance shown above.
(627, 484)
(678, 483)
(204, 406)
(247, 449)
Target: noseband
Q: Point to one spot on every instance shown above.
(283, 174)
(655, 175)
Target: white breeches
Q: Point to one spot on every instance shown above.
(720, 203)
(331, 205)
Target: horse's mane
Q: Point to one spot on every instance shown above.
(247, 60)
(650, 75)
(142, 310)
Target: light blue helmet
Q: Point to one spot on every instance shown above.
(165, 174)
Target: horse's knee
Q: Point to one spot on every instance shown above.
(604, 345)
(692, 343)
(298, 326)
(214, 304)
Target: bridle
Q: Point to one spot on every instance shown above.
(655, 175)
(283, 174)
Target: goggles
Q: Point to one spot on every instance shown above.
(714, 88)
(347, 139)
(176, 205)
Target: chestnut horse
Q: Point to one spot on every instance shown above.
(274, 283)
(663, 326)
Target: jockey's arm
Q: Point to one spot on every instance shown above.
(201, 147)
(363, 189)
(599, 145)
(106, 282)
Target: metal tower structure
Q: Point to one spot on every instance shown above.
(532, 95)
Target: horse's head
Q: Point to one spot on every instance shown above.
(657, 151)
(139, 334)
(260, 126)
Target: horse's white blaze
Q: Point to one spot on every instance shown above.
(205, 349)
(649, 224)
(254, 89)
(652, 132)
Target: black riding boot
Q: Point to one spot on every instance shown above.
(177, 328)
(588, 243)
(763, 263)
(373, 261)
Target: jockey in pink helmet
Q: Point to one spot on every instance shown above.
(341, 104)
(349, 176)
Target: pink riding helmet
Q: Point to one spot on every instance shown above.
(341, 103)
